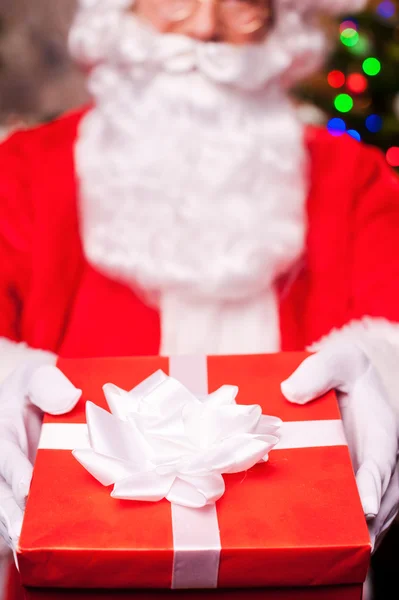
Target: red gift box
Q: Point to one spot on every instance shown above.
(291, 524)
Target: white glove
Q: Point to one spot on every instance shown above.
(369, 422)
(31, 390)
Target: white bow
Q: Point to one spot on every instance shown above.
(161, 441)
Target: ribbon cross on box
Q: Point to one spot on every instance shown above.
(169, 438)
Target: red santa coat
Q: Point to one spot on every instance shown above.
(51, 298)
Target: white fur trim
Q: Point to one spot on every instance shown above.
(379, 340)
(193, 326)
(13, 354)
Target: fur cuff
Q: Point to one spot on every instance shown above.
(379, 340)
(13, 354)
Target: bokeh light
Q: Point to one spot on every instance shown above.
(336, 79)
(357, 83)
(343, 103)
(349, 37)
(336, 126)
(347, 24)
(386, 9)
(355, 134)
(371, 66)
(392, 156)
(374, 123)
(362, 47)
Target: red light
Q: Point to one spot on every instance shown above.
(357, 83)
(336, 79)
(393, 156)
(347, 25)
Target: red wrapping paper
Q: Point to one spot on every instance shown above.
(293, 522)
(342, 592)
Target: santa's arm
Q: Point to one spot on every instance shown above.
(373, 318)
(15, 258)
(361, 359)
(16, 233)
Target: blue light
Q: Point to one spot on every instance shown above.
(386, 9)
(336, 126)
(355, 134)
(374, 123)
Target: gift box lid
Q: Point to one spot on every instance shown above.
(296, 520)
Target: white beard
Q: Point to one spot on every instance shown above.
(191, 167)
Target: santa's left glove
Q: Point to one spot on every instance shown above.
(369, 421)
(36, 387)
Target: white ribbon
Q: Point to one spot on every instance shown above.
(293, 434)
(196, 537)
(162, 441)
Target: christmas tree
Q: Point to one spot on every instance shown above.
(358, 92)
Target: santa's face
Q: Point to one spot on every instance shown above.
(231, 21)
(191, 163)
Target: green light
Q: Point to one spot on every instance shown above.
(362, 47)
(371, 66)
(349, 37)
(343, 103)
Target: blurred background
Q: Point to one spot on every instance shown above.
(357, 93)
(37, 79)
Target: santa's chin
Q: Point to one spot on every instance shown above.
(191, 168)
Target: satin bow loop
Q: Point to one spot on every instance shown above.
(161, 441)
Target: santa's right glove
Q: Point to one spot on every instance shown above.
(36, 387)
(369, 422)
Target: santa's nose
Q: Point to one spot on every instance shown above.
(204, 23)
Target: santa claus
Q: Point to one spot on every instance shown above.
(189, 210)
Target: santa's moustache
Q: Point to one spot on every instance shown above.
(104, 32)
